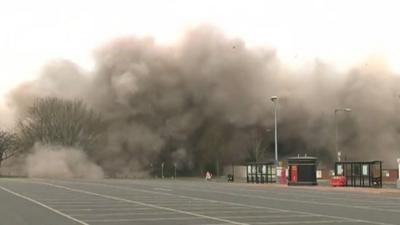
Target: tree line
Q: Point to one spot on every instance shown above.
(72, 123)
(55, 121)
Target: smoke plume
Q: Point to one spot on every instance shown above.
(195, 102)
(60, 162)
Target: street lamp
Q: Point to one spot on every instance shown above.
(398, 180)
(336, 130)
(274, 99)
(174, 170)
(162, 170)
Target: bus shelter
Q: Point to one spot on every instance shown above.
(261, 172)
(360, 174)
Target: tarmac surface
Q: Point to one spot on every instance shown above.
(189, 202)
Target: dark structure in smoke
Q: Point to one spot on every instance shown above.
(196, 102)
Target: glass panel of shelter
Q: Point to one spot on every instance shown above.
(260, 173)
(360, 174)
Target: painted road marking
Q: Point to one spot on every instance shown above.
(232, 203)
(101, 210)
(282, 199)
(43, 205)
(161, 189)
(143, 204)
(337, 218)
(144, 219)
(123, 214)
(270, 216)
(307, 222)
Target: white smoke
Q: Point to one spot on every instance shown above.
(47, 161)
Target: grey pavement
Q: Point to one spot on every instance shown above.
(189, 202)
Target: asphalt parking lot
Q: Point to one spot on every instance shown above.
(123, 202)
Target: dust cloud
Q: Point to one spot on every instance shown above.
(195, 102)
(46, 161)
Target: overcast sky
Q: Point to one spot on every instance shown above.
(342, 33)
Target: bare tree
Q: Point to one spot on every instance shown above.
(8, 145)
(61, 122)
(257, 142)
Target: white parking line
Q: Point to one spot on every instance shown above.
(123, 214)
(103, 209)
(336, 196)
(143, 204)
(270, 216)
(97, 206)
(334, 218)
(305, 192)
(60, 199)
(43, 205)
(76, 203)
(213, 224)
(205, 208)
(307, 222)
(144, 219)
(241, 212)
(233, 203)
(162, 189)
(184, 197)
(289, 200)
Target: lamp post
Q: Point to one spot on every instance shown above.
(174, 170)
(336, 130)
(398, 174)
(274, 99)
(162, 170)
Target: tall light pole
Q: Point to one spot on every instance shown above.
(274, 99)
(162, 170)
(398, 180)
(174, 170)
(336, 130)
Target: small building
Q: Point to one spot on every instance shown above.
(302, 170)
